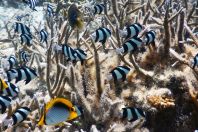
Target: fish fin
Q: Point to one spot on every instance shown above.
(41, 121)
(119, 51)
(56, 100)
(80, 23)
(17, 80)
(103, 41)
(73, 115)
(4, 84)
(27, 81)
(124, 78)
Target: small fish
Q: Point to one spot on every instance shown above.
(80, 55)
(50, 11)
(68, 52)
(19, 17)
(24, 56)
(99, 8)
(119, 73)
(59, 110)
(75, 17)
(11, 91)
(11, 74)
(20, 115)
(131, 31)
(43, 36)
(32, 4)
(25, 73)
(3, 85)
(101, 35)
(131, 45)
(12, 61)
(149, 37)
(132, 114)
(21, 28)
(26, 39)
(4, 103)
(195, 61)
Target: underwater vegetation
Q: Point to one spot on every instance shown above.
(99, 66)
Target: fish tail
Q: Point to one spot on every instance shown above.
(119, 51)
(122, 33)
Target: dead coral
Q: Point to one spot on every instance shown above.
(160, 102)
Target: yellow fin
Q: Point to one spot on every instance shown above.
(58, 100)
(3, 84)
(80, 23)
(41, 120)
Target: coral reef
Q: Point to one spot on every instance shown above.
(162, 81)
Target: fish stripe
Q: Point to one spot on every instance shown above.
(136, 30)
(124, 115)
(135, 117)
(141, 112)
(3, 106)
(97, 36)
(128, 32)
(100, 9)
(122, 73)
(195, 62)
(28, 77)
(14, 118)
(19, 77)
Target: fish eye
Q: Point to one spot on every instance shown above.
(72, 109)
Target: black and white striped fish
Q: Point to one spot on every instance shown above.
(132, 114)
(21, 28)
(80, 55)
(4, 103)
(131, 45)
(24, 56)
(25, 73)
(19, 17)
(12, 61)
(11, 74)
(149, 37)
(119, 73)
(99, 8)
(195, 61)
(43, 36)
(131, 31)
(11, 91)
(26, 39)
(68, 52)
(101, 35)
(50, 11)
(20, 115)
(32, 4)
